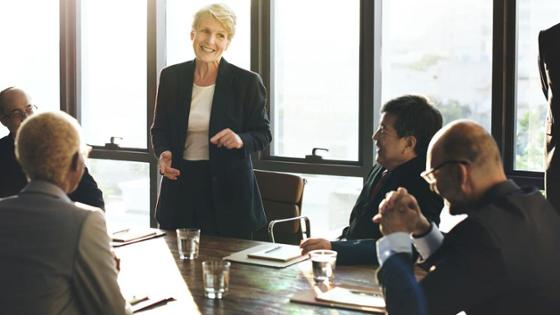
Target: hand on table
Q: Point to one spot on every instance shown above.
(314, 243)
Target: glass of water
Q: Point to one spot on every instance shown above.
(187, 242)
(215, 275)
(324, 263)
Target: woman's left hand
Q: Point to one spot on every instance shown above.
(227, 138)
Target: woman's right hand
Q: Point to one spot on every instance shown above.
(165, 169)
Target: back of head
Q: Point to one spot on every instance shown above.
(220, 12)
(46, 144)
(415, 116)
(467, 140)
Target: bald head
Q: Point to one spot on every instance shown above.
(467, 140)
(14, 108)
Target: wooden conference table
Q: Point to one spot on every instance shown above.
(153, 268)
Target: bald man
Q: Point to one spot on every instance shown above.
(502, 259)
(14, 109)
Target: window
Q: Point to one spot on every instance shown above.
(126, 191)
(178, 29)
(113, 71)
(315, 79)
(442, 50)
(328, 202)
(30, 51)
(533, 17)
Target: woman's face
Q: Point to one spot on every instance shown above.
(210, 40)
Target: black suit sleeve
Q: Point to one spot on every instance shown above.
(355, 252)
(256, 135)
(468, 270)
(403, 294)
(88, 192)
(160, 130)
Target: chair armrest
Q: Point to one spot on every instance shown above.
(307, 229)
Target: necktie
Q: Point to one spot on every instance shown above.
(377, 187)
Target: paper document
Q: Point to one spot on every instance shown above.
(352, 297)
(127, 235)
(277, 252)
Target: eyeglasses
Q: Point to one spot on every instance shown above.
(428, 175)
(21, 114)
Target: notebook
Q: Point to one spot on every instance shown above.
(277, 252)
(355, 297)
(133, 235)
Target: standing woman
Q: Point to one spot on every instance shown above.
(209, 117)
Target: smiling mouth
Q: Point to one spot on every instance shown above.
(206, 49)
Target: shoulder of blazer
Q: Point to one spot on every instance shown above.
(179, 67)
(230, 70)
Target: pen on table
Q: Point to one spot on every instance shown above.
(272, 249)
(121, 231)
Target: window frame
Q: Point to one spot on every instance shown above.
(504, 42)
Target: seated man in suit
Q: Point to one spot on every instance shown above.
(55, 256)
(502, 259)
(406, 127)
(14, 109)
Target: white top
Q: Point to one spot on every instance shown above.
(196, 145)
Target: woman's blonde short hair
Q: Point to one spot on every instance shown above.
(220, 12)
(46, 144)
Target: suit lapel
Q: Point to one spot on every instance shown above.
(220, 97)
(186, 77)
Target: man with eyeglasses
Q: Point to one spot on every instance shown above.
(14, 109)
(502, 259)
(406, 127)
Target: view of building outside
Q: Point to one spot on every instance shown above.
(31, 51)
(179, 20)
(442, 50)
(315, 84)
(113, 71)
(533, 17)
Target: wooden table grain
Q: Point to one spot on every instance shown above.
(153, 268)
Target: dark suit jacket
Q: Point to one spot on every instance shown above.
(502, 259)
(361, 234)
(549, 66)
(239, 104)
(13, 179)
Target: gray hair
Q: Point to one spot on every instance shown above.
(220, 12)
(45, 145)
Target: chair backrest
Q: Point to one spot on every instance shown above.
(282, 196)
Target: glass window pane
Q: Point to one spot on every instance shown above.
(126, 190)
(30, 50)
(533, 16)
(315, 72)
(179, 21)
(113, 68)
(442, 50)
(328, 202)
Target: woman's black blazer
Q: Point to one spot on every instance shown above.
(239, 104)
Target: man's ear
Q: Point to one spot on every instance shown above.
(4, 120)
(411, 142)
(75, 164)
(463, 176)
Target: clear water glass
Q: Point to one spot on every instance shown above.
(324, 263)
(187, 242)
(215, 276)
